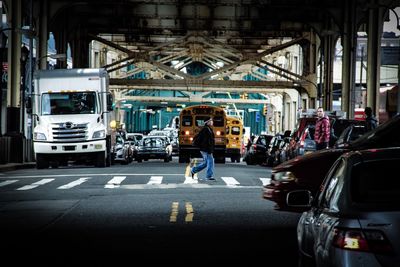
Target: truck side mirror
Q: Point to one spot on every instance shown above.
(28, 105)
(109, 102)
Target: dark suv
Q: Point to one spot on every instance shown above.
(307, 172)
(257, 152)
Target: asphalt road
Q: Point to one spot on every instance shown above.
(142, 214)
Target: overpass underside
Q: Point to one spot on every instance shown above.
(242, 46)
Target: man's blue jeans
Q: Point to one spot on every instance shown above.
(208, 161)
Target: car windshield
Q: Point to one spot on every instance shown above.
(151, 142)
(386, 135)
(367, 190)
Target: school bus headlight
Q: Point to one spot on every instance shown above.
(187, 132)
(218, 132)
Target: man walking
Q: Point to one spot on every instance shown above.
(206, 142)
(322, 130)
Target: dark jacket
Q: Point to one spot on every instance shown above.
(206, 139)
(371, 123)
(322, 130)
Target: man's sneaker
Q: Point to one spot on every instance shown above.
(210, 178)
(192, 173)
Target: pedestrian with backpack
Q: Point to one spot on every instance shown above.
(205, 141)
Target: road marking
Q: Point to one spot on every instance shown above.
(74, 183)
(174, 211)
(7, 182)
(189, 212)
(265, 181)
(93, 174)
(230, 181)
(115, 182)
(36, 184)
(155, 180)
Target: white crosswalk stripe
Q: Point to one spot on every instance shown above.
(115, 182)
(36, 184)
(74, 183)
(7, 182)
(230, 181)
(155, 180)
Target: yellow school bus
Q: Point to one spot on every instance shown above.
(191, 120)
(234, 138)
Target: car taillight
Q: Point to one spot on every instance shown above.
(355, 239)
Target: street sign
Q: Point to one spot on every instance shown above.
(258, 116)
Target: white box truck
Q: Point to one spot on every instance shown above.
(71, 113)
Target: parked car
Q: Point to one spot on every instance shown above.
(349, 134)
(305, 141)
(257, 152)
(273, 149)
(307, 172)
(354, 220)
(122, 150)
(154, 147)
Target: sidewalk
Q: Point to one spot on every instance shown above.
(16, 166)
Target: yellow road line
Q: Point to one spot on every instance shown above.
(189, 212)
(174, 212)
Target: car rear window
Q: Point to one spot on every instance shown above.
(376, 183)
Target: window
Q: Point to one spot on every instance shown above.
(333, 186)
(376, 183)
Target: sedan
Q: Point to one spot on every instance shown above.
(154, 147)
(307, 172)
(355, 218)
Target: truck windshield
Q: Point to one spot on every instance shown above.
(69, 103)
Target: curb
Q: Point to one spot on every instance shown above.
(16, 166)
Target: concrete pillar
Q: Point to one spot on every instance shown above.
(41, 53)
(349, 42)
(375, 26)
(329, 57)
(14, 70)
(61, 47)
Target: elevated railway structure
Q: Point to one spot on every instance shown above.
(197, 50)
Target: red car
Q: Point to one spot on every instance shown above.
(307, 172)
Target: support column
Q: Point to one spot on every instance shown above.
(329, 53)
(80, 50)
(61, 46)
(14, 71)
(349, 42)
(375, 26)
(43, 35)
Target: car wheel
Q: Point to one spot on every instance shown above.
(304, 261)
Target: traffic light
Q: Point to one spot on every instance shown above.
(265, 110)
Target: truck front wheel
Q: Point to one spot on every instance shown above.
(101, 159)
(41, 162)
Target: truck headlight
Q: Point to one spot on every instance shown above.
(39, 136)
(99, 134)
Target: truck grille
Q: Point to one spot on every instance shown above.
(69, 132)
